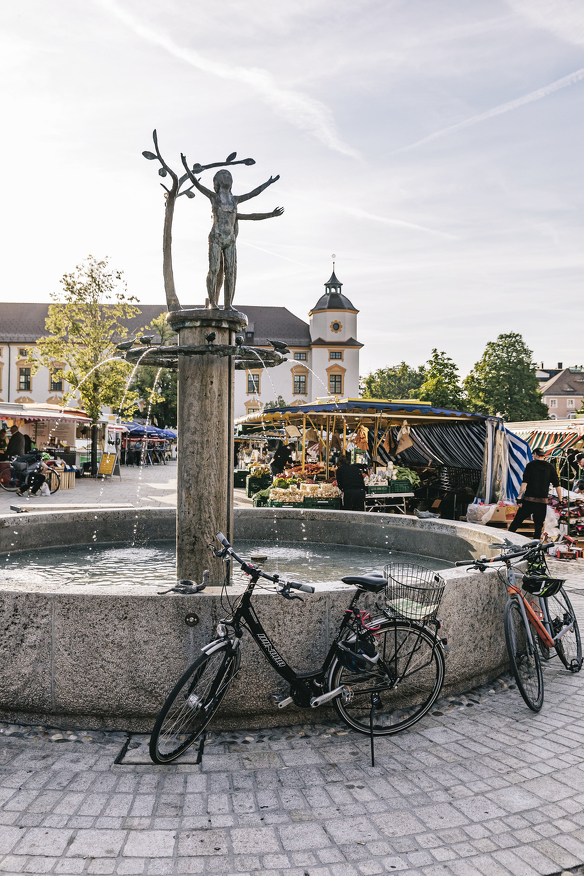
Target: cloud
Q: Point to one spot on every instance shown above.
(297, 108)
(571, 79)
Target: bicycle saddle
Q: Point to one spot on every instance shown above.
(372, 583)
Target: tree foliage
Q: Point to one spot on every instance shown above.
(156, 388)
(279, 403)
(396, 381)
(504, 382)
(83, 327)
(442, 385)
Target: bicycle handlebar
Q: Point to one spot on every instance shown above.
(503, 558)
(248, 568)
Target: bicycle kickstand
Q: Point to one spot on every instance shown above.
(201, 748)
(375, 703)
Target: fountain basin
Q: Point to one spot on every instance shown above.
(102, 657)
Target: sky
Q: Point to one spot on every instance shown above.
(434, 146)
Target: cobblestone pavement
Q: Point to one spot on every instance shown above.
(152, 486)
(481, 787)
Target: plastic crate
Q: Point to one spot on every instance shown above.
(239, 477)
(259, 502)
(404, 486)
(273, 504)
(254, 485)
(378, 488)
(323, 503)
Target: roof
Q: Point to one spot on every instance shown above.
(23, 323)
(412, 411)
(320, 342)
(333, 299)
(569, 381)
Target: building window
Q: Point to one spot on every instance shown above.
(23, 353)
(253, 384)
(249, 337)
(335, 354)
(553, 403)
(336, 384)
(336, 326)
(570, 402)
(300, 357)
(300, 384)
(56, 383)
(252, 410)
(24, 382)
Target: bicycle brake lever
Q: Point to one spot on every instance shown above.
(285, 592)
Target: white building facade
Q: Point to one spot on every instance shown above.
(323, 359)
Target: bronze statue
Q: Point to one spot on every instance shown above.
(222, 251)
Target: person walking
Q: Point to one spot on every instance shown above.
(534, 492)
(350, 481)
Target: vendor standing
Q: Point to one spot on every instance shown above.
(350, 481)
(534, 492)
(282, 459)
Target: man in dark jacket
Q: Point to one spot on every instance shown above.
(282, 458)
(350, 481)
(16, 444)
(533, 495)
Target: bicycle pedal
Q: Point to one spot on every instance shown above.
(280, 700)
(347, 695)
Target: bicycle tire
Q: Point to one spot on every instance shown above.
(7, 479)
(53, 481)
(413, 687)
(525, 661)
(192, 703)
(569, 647)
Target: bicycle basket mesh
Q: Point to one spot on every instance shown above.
(413, 592)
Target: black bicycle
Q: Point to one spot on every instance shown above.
(21, 473)
(382, 674)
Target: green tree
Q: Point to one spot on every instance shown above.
(83, 327)
(397, 381)
(162, 398)
(279, 403)
(442, 385)
(504, 382)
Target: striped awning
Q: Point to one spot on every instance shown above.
(552, 443)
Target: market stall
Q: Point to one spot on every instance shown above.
(444, 458)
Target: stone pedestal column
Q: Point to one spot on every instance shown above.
(205, 441)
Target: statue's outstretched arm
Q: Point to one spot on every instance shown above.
(258, 191)
(204, 191)
(255, 216)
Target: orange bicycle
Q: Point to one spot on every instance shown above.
(538, 623)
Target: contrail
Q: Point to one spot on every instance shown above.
(577, 76)
(299, 109)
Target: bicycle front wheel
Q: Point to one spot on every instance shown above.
(53, 481)
(405, 692)
(192, 703)
(561, 615)
(524, 657)
(8, 481)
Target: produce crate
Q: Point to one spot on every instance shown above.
(273, 504)
(378, 488)
(254, 485)
(259, 502)
(239, 477)
(404, 486)
(334, 504)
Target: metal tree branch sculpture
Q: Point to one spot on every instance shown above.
(173, 192)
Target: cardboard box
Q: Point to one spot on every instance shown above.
(504, 514)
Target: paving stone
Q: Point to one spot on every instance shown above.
(96, 843)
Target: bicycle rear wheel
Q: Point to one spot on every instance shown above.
(415, 663)
(8, 481)
(53, 481)
(192, 703)
(524, 658)
(561, 614)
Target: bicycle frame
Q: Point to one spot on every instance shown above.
(529, 615)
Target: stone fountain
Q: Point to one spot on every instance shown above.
(95, 657)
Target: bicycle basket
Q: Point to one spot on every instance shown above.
(540, 585)
(413, 592)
